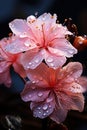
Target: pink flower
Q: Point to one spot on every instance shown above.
(43, 39)
(53, 92)
(7, 60)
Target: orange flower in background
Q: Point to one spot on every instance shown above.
(43, 39)
(53, 92)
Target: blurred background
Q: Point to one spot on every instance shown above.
(11, 106)
(75, 9)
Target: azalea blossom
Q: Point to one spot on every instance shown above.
(7, 60)
(43, 39)
(53, 92)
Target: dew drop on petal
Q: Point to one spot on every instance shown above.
(30, 63)
(49, 106)
(28, 66)
(52, 64)
(49, 100)
(33, 81)
(47, 111)
(44, 114)
(37, 81)
(39, 108)
(29, 96)
(37, 60)
(39, 112)
(45, 107)
(71, 51)
(26, 43)
(49, 59)
(40, 94)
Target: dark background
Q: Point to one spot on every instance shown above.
(10, 102)
(11, 9)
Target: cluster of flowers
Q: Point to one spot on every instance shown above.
(38, 49)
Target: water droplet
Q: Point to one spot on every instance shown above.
(36, 60)
(49, 59)
(26, 98)
(49, 100)
(49, 106)
(39, 108)
(27, 66)
(33, 81)
(40, 94)
(39, 112)
(37, 81)
(29, 96)
(43, 52)
(43, 18)
(44, 114)
(71, 51)
(29, 63)
(47, 111)
(45, 107)
(26, 43)
(52, 64)
(55, 51)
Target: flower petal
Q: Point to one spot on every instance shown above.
(39, 75)
(20, 45)
(54, 61)
(71, 101)
(57, 31)
(32, 92)
(83, 82)
(58, 115)
(71, 71)
(31, 59)
(5, 78)
(74, 88)
(43, 109)
(19, 69)
(4, 65)
(19, 27)
(64, 46)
